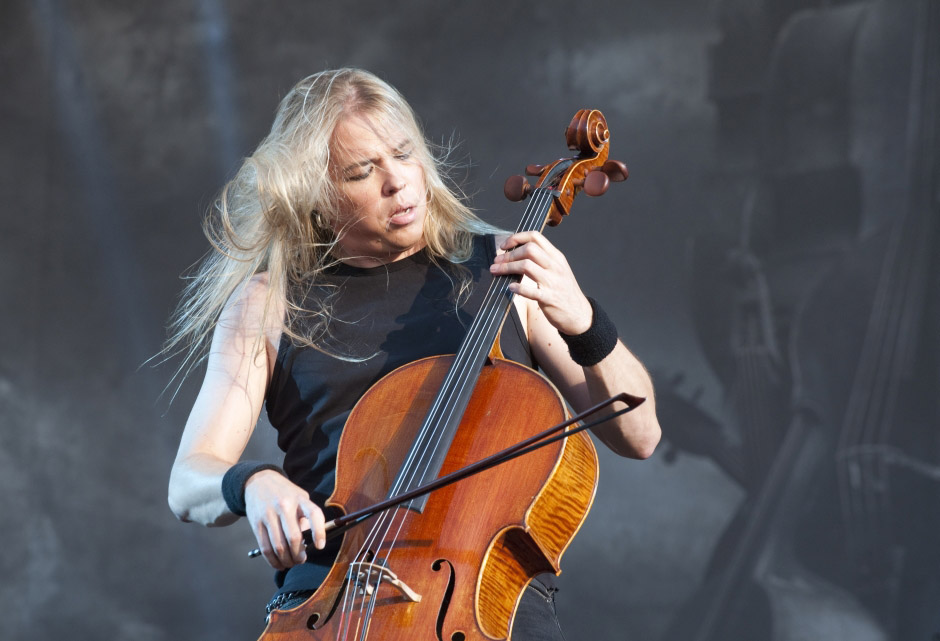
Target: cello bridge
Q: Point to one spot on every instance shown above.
(372, 573)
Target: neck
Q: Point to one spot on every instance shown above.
(365, 260)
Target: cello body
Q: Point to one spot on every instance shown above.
(530, 510)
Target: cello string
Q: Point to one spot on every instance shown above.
(465, 361)
(343, 630)
(352, 591)
(362, 620)
(442, 410)
(387, 522)
(455, 383)
(371, 609)
(490, 316)
(462, 361)
(478, 331)
(491, 312)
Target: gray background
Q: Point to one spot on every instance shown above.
(776, 148)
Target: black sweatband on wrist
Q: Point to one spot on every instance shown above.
(593, 346)
(234, 480)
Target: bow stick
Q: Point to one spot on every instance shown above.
(342, 523)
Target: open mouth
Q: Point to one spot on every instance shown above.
(403, 216)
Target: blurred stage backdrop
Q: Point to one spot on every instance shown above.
(773, 260)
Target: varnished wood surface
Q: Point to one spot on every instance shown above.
(477, 543)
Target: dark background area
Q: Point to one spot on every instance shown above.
(772, 259)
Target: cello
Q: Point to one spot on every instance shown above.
(452, 565)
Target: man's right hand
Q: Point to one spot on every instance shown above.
(278, 512)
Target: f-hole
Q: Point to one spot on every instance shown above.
(437, 566)
(315, 618)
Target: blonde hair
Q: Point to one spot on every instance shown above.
(276, 215)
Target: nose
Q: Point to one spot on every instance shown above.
(394, 182)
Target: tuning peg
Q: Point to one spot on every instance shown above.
(616, 170)
(596, 183)
(516, 188)
(534, 170)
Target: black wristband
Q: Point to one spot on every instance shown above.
(233, 483)
(593, 346)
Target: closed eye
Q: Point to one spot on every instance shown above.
(404, 151)
(362, 175)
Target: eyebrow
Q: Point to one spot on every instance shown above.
(362, 163)
(356, 165)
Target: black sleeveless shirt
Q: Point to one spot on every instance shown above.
(381, 318)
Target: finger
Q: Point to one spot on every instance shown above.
(520, 238)
(304, 524)
(508, 255)
(534, 238)
(526, 252)
(281, 545)
(524, 267)
(527, 288)
(509, 243)
(317, 523)
(294, 541)
(267, 549)
(538, 255)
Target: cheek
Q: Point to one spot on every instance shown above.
(346, 216)
(352, 203)
(419, 180)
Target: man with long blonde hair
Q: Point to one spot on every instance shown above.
(340, 253)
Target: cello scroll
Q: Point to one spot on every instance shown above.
(590, 171)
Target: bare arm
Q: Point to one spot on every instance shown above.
(554, 302)
(221, 422)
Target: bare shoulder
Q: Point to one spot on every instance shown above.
(251, 300)
(251, 294)
(253, 309)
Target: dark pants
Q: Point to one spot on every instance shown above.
(535, 619)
